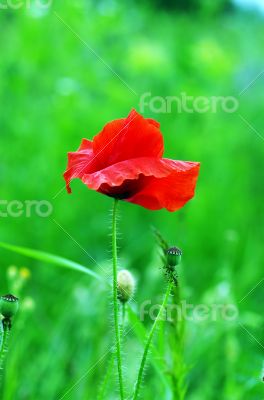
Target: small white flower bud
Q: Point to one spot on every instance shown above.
(125, 285)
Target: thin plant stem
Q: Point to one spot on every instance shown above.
(115, 301)
(1, 333)
(149, 340)
(4, 348)
(102, 390)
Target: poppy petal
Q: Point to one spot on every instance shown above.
(172, 191)
(124, 139)
(125, 161)
(79, 162)
(150, 182)
(116, 174)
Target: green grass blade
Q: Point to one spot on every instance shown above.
(155, 359)
(50, 258)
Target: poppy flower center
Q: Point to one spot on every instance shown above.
(128, 188)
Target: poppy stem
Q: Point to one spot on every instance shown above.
(4, 345)
(149, 340)
(102, 390)
(115, 301)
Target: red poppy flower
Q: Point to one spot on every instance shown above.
(125, 161)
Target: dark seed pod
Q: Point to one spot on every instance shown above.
(8, 305)
(174, 255)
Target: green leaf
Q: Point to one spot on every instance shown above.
(50, 258)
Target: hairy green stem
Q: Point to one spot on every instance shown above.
(103, 387)
(149, 340)
(1, 333)
(115, 301)
(4, 348)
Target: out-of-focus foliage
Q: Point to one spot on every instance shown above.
(57, 86)
(201, 6)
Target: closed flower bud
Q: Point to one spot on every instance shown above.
(174, 256)
(8, 306)
(125, 285)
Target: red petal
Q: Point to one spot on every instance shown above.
(116, 174)
(79, 162)
(150, 182)
(171, 192)
(128, 138)
(124, 162)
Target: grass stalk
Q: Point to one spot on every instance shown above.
(149, 340)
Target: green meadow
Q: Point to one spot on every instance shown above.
(67, 68)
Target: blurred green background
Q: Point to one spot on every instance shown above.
(57, 86)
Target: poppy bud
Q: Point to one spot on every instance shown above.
(174, 256)
(8, 306)
(125, 285)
